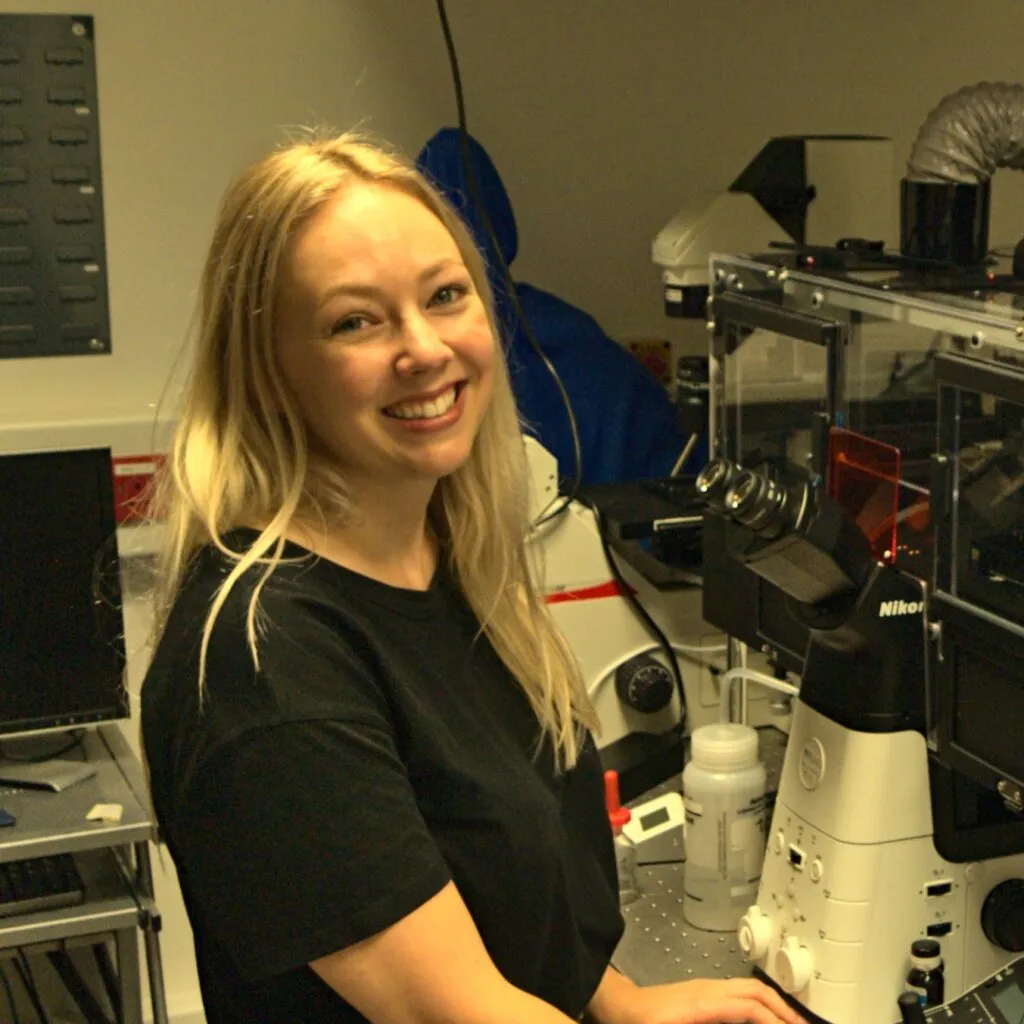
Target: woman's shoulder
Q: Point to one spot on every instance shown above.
(281, 643)
(291, 587)
(309, 620)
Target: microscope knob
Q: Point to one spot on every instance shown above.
(794, 965)
(755, 933)
(644, 684)
(1002, 915)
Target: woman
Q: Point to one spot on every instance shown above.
(367, 742)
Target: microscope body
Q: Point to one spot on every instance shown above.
(895, 388)
(853, 873)
(852, 877)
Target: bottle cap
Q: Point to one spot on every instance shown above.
(617, 814)
(724, 746)
(911, 1010)
(925, 953)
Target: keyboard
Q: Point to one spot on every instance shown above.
(42, 883)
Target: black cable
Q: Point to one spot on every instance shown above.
(475, 199)
(106, 579)
(28, 980)
(107, 597)
(15, 1019)
(640, 611)
(75, 741)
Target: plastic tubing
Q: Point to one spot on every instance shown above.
(754, 677)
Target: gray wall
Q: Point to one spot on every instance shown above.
(602, 115)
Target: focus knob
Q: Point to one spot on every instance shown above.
(1002, 915)
(644, 684)
(794, 966)
(755, 933)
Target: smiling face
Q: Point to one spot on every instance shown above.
(383, 339)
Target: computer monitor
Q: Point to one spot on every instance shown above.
(62, 650)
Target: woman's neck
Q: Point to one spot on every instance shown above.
(389, 540)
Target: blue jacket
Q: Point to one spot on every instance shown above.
(627, 422)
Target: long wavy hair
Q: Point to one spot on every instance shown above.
(241, 453)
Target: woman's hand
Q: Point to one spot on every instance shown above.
(737, 1001)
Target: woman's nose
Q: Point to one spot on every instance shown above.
(423, 347)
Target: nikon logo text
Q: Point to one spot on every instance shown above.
(889, 608)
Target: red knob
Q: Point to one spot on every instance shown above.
(617, 814)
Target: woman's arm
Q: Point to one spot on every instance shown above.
(616, 1000)
(736, 1001)
(431, 967)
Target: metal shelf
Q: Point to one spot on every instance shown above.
(109, 906)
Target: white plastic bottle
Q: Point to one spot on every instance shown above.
(725, 826)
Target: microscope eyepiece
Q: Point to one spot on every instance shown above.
(715, 479)
(786, 529)
(759, 503)
(743, 492)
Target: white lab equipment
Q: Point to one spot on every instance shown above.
(876, 840)
(656, 828)
(809, 189)
(626, 673)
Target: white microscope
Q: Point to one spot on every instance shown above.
(874, 843)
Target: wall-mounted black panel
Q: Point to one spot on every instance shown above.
(53, 269)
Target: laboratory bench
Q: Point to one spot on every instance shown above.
(659, 946)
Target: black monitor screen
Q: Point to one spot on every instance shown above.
(61, 627)
(989, 696)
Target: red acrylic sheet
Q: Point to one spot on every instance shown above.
(864, 477)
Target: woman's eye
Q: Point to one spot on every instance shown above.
(348, 324)
(448, 294)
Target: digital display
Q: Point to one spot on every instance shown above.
(1010, 1002)
(655, 818)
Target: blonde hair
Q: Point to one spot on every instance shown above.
(241, 454)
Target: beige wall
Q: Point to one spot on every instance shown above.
(190, 91)
(602, 117)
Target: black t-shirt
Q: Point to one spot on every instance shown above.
(380, 751)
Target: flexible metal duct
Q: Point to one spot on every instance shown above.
(970, 135)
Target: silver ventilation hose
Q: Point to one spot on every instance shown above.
(970, 135)
(944, 198)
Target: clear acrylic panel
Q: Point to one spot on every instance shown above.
(767, 385)
(774, 386)
(988, 523)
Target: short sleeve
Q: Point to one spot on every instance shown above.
(302, 838)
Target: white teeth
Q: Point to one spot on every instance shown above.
(423, 410)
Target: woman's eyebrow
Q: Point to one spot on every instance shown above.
(371, 290)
